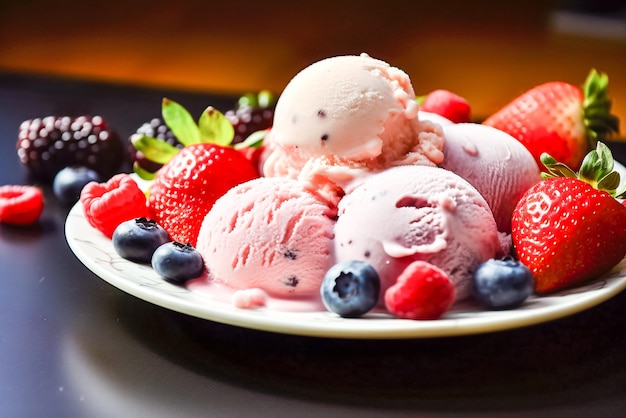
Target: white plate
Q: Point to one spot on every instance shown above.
(97, 253)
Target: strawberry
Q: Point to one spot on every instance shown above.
(570, 228)
(560, 119)
(191, 179)
(187, 186)
(20, 205)
(106, 205)
(422, 291)
(447, 104)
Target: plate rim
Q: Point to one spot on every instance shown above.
(327, 324)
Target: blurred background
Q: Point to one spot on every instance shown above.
(488, 51)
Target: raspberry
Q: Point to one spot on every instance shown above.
(20, 205)
(447, 104)
(253, 113)
(47, 145)
(106, 205)
(422, 291)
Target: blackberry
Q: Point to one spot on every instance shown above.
(47, 145)
(252, 113)
(156, 128)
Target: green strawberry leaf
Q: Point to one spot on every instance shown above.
(610, 183)
(597, 165)
(555, 168)
(599, 121)
(597, 169)
(154, 149)
(142, 173)
(254, 140)
(215, 128)
(596, 84)
(180, 121)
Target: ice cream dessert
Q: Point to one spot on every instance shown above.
(270, 234)
(346, 115)
(411, 213)
(354, 173)
(494, 162)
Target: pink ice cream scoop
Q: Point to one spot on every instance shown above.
(411, 213)
(345, 115)
(270, 234)
(494, 162)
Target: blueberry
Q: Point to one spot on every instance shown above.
(137, 239)
(350, 288)
(69, 182)
(502, 284)
(177, 262)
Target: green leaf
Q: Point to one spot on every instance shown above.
(154, 149)
(142, 173)
(606, 157)
(182, 124)
(609, 183)
(215, 128)
(555, 168)
(254, 140)
(599, 121)
(596, 165)
(589, 169)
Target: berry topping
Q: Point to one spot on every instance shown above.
(157, 129)
(46, 145)
(560, 118)
(422, 291)
(177, 262)
(191, 179)
(185, 188)
(106, 205)
(211, 128)
(447, 104)
(137, 239)
(20, 205)
(69, 182)
(253, 113)
(502, 284)
(565, 229)
(350, 288)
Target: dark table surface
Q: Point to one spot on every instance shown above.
(72, 345)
